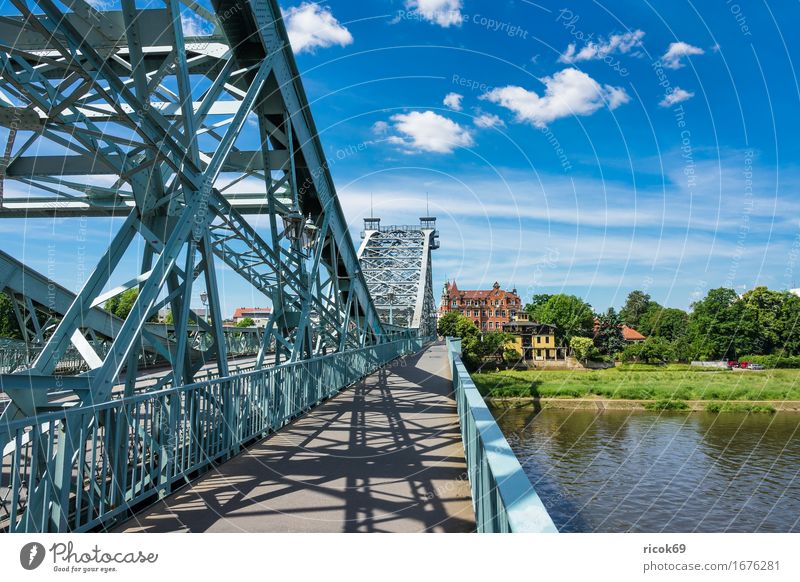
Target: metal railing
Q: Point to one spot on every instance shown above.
(502, 496)
(132, 450)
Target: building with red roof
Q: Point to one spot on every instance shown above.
(489, 309)
(259, 315)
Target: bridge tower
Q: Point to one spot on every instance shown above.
(396, 262)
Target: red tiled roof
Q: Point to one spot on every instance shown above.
(476, 293)
(631, 335)
(628, 333)
(254, 310)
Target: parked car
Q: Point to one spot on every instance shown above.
(743, 365)
(756, 367)
(733, 364)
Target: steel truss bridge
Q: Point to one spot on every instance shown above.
(396, 262)
(203, 154)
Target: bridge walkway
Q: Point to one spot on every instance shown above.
(382, 456)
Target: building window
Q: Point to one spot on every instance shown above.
(484, 325)
(455, 303)
(504, 313)
(538, 339)
(483, 313)
(475, 313)
(491, 325)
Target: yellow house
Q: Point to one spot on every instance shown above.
(533, 340)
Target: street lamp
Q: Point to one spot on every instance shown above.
(297, 230)
(390, 298)
(204, 301)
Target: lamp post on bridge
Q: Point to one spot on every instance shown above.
(390, 298)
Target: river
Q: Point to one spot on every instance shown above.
(619, 471)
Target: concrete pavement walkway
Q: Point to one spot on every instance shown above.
(382, 456)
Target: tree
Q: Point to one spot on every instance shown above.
(666, 322)
(446, 326)
(654, 350)
(714, 330)
(8, 321)
(537, 300)
(122, 304)
(571, 315)
(246, 322)
(637, 304)
(608, 339)
(583, 348)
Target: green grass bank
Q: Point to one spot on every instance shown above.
(663, 387)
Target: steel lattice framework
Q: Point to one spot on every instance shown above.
(116, 113)
(396, 261)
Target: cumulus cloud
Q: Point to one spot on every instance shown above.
(193, 25)
(453, 101)
(676, 52)
(445, 13)
(677, 95)
(568, 92)
(616, 43)
(312, 26)
(427, 131)
(488, 120)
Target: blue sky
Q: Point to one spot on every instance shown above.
(589, 148)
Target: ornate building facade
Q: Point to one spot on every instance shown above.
(489, 309)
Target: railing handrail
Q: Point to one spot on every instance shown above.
(134, 398)
(125, 452)
(504, 499)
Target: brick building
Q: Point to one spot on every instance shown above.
(489, 309)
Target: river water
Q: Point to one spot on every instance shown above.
(619, 471)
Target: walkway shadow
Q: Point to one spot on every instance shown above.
(384, 455)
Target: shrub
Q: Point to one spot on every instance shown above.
(583, 349)
(667, 405)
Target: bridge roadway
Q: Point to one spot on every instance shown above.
(382, 456)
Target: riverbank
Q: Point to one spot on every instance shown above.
(674, 387)
(600, 404)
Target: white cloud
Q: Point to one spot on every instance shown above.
(616, 43)
(380, 128)
(677, 95)
(678, 50)
(568, 92)
(445, 13)
(487, 120)
(193, 25)
(453, 101)
(427, 131)
(311, 26)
